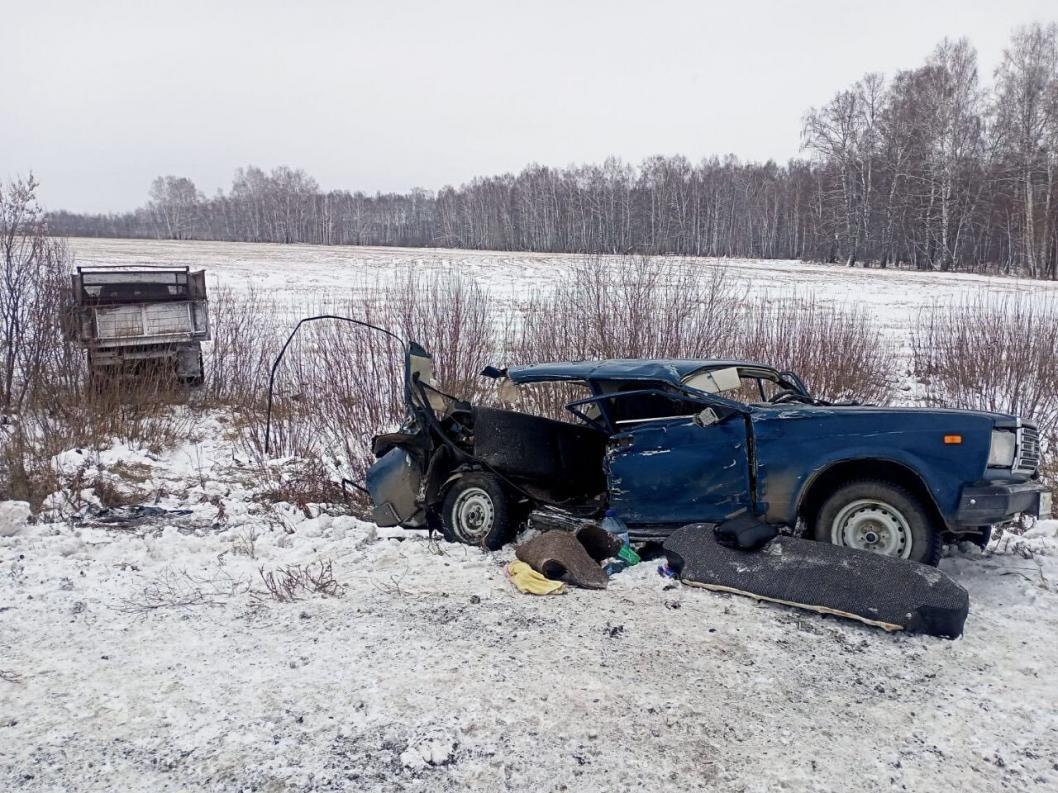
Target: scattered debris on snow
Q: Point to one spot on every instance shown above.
(151, 656)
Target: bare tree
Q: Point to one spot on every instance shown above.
(1027, 106)
(175, 200)
(929, 169)
(32, 272)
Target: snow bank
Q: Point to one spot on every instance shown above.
(13, 517)
(149, 656)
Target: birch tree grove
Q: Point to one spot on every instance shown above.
(931, 168)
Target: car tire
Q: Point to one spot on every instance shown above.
(882, 517)
(477, 511)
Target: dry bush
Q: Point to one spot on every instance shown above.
(655, 308)
(838, 351)
(26, 473)
(286, 584)
(634, 307)
(33, 273)
(181, 589)
(245, 542)
(245, 338)
(453, 317)
(1049, 463)
(149, 411)
(340, 383)
(309, 481)
(992, 353)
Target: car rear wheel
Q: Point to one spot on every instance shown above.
(881, 517)
(477, 511)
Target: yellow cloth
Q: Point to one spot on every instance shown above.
(531, 582)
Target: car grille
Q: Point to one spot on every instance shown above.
(1028, 456)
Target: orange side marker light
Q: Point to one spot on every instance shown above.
(952, 440)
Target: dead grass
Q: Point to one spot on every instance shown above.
(340, 384)
(305, 482)
(289, 583)
(998, 354)
(837, 351)
(180, 589)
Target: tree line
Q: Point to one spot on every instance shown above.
(931, 168)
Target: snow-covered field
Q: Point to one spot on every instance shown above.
(894, 296)
(147, 655)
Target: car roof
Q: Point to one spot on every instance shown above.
(668, 370)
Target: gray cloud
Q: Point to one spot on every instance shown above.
(99, 97)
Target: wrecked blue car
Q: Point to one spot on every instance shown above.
(666, 443)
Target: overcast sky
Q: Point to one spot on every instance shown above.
(97, 97)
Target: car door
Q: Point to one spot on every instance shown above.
(677, 470)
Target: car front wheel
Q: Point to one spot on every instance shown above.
(881, 517)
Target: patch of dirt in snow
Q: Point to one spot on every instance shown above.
(149, 658)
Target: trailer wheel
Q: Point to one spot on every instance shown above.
(198, 380)
(878, 516)
(477, 511)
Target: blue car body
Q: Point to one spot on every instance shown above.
(662, 445)
(765, 458)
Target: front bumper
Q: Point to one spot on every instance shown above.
(986, 505)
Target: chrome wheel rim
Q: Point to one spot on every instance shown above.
(872, 525)
(473, 515)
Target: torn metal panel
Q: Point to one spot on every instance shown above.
(563, 459)
(394, 482)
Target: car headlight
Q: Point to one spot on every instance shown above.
(1001, 451)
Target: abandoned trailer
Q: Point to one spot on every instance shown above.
(134, 318)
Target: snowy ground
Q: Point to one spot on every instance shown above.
(148, 656)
